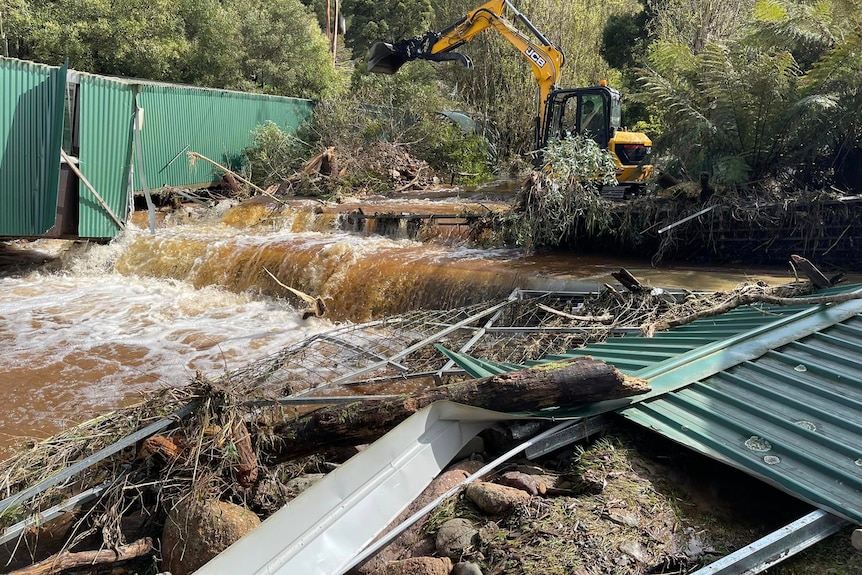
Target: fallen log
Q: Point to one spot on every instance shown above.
(66, 560)
(565, 384)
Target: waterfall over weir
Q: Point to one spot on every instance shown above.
(86, 328)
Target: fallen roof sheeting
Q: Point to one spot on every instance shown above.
(776, 392)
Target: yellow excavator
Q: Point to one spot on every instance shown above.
(594, 112)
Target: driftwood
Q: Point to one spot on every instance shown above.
(628, 281)
(744, 299)
(247, 468)
(817, 278)
(566, 384)
(66, 560)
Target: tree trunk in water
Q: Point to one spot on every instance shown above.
(565, 384)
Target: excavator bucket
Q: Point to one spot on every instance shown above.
(383, 59)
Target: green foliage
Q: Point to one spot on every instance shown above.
(125, 37)
(564, 196)
(736, 112)
(834, 84)
(449, 150)
(272, 46)
(390, 108)
(624, 39)
(283, 50)
(373, 20)
(697, 23)
(274, 155)
(798, 28)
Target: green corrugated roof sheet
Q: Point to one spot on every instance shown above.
(775, 391)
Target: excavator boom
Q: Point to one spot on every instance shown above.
(545, 59)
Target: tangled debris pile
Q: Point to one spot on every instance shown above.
(105, 490)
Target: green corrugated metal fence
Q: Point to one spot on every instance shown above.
(176, 120)
(215, 123)
(31, 132)
(107, 110)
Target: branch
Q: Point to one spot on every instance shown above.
(195, 155)
(744, 299)
(66, 560)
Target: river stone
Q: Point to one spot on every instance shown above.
(466, 568)
(198, 531)
(455, 537)
(524, 482)
(419, 566)
(299, 484)
(414, 542)
(496, 499)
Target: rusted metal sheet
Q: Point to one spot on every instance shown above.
(31, 133)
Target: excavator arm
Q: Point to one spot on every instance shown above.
(544, 58)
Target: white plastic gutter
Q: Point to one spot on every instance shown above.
(324, 529)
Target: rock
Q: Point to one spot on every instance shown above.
(195, 532)
(466, 568)
(419, 566)
(627, 519)
(414, 542)
(856, 539)
(299, 484)
(496, 499)
(456, 537)
(524, 482)
(636, 551)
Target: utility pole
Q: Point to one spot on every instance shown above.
(335, 33)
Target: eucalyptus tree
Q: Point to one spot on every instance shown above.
(376, 20)
(282, 49)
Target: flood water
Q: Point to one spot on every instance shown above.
(86, 328)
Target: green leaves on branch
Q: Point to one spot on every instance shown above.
(736, 112)
(372, 21)
(564, 197)
(274, 155)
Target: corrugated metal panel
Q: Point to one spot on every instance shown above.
(107, 110)
(790, 417)
(31, 132)
(780, 400)
(215, 123)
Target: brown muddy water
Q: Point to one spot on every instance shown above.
(86, 328)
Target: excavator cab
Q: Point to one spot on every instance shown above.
(596, 112)
(593, 112)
